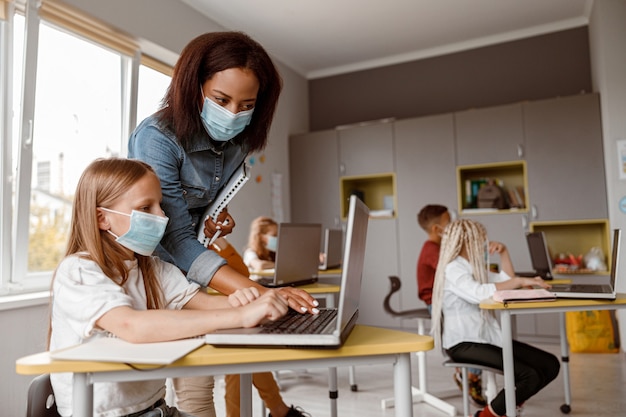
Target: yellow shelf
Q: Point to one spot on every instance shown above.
(378, 192)
(509, 175)
(576, 236)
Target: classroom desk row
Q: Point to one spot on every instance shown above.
(365, 345)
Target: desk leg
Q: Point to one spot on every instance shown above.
(402, 385)
(245, 392)
(332, 391)
(420, 393)
(565, 408)
(507, 359)
(83, 396)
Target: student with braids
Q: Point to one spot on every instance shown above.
(468, 334)
(433, 218)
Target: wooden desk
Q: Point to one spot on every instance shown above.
(365, 345)
(561, 306)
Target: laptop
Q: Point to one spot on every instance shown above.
(297, 255)
(600, 291)
(332, 333)
(333, 242)
(539, 257)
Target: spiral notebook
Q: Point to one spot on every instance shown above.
(226, 193)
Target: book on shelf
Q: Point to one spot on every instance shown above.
(473, 185)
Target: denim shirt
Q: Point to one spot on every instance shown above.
(189, 182)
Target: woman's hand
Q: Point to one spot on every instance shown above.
(269, 306)
(224, 222)
(299, 300)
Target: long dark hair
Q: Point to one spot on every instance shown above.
(199, 61)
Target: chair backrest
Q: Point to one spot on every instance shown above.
(41, 398)
(414, 313)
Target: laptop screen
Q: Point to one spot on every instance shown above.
(354, 257)
(539, 255)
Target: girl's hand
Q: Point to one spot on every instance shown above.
(243, 296)
(269, 306)
(533, 282)
(225, 223)
(496, 247)
(299, 300)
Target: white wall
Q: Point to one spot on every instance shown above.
(608, 66)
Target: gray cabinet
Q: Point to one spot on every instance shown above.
(492, 134)
(366, 148)
(425, 174)
(381, 260)
(560, 141)
(314, 178)
(565, 157)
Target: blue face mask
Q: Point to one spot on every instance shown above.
(220, 123)
(144, 234)
(272, 243)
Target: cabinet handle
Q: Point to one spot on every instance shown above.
(342, 168)
(525, 222)
(533, 212)
(520, 151)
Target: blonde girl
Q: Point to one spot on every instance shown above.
(261, 250)
(471, 335)
(109, 284)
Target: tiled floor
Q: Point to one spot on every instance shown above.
(598, 383)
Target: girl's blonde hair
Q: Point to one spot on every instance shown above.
(100, 185)
(459, 235)
(259, 227)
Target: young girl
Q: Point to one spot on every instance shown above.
(470, 335)
(261, 250)
(109, 283)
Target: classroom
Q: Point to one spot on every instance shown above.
(439, 121)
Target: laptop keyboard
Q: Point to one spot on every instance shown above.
(588, 288)
(297, 323)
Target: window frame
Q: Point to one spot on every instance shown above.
(15, 206)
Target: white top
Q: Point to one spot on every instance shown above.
(249, 255)
(464, 321)
(81, 295)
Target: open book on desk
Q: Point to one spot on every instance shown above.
(113, 349)
(226, 193)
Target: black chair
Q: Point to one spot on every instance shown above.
(417, 313)
(41, 401)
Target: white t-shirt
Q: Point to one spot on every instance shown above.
(464, 321)
(81, 295)
(249, 255)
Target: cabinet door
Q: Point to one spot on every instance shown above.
(564, 152)
(493, 134)
(366, 149)
(381, 260)
(314, 178)
(425, 174)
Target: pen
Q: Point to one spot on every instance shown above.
(218, 233)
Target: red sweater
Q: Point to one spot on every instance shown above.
(426, 267)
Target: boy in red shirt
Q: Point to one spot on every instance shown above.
(433, 218)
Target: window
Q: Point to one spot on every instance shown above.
(71, 104)
(152, 87)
